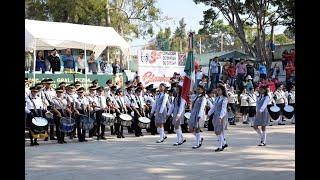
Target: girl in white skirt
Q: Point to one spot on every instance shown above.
(220, 116)
(177, 108)
(196, 120)
(159, 110)
(262, 116)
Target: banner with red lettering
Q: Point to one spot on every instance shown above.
(157, 67)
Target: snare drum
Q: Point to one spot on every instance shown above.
(144, 122)
(39, 127)
(86, 123)
(49, 117)
(288, 111)
(67, 124)
(108, 119)
(274, 112)
(125, 120)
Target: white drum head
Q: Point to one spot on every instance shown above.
(144, 119)
(126, 117)
(288, 108)
(187, 115)
(39, 121)
(274, 109)
(108, 115)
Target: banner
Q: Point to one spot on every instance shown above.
(155, 67)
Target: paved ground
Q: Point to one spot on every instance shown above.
(142, 158)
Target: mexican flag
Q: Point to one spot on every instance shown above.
(188, 80)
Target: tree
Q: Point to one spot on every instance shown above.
(179, 40)
(258, 14)
(289, 34)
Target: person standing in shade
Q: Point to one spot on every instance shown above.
(263, 70)
(232, 99)
(291, 96)
(100, 104)
(159, 110)
(116, 67)
(220, 117)
(54, 60)
(83, 107)
(214, 72)
(68, 61)
(281, 100)
(137, 106)
(178, 108)
(232, 74)
(40, 62)
(81, 62)
(262, 116)
(197, 115)
(241, 70)
(92, 63)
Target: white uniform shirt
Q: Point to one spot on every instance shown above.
(128, 99)
(82, 104)
(291, 97)
(37, 102)
(270, 94)
(120, 100)
(243, 100)
(163, 104)
(101, 102)
(210, 101)
(59, 103)
(231, 97)
(264, 105)
(181, 108)
(252, 99)
(281, 97)
(223, 108)
(135, 101)
(169, 102)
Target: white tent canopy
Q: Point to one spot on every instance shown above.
(45, 35)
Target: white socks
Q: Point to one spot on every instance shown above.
(178, 135)
(259, 132)
(158, 130)
(244, 118)
(223, 141)
(220, 141)
(293, 119)
(198, 138)
(264, 134)
(181, 135)
(251, 119)
(161, 134)
(280, 119)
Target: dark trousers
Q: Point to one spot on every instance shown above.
(81, 70)
(153, 128)
(103, 127)
(81, 133)
(210, 125)
(168, 125)
(94, 129)
(130, 128)
(137, 129)
(59, 134)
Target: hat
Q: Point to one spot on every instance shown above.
(43, 80)
(77, 83)
(62, 83)
(109, 81)
(249, 77)
(92, 88)
(71, 85)
(81, 52)
(170, 90)
(148, 88)
(54, 49)
(113, 88)
(94, 81)
(128, 82)
(81, 89)
(38, 85)
(153, 90)
(59, 89)
(163, 84)
(49, 81)
(137, 90)
(129, 88)
(100, 89)
(139, 84)
(119, 90)
(33, 88)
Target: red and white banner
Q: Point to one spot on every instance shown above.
(157, 67)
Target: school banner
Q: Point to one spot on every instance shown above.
(157, 67)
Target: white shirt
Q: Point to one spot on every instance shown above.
(199, 75)
(49, 93)
(59, 103)
(163, 104)
(210, 101)
(243, 100)
(270, 94)
(264, 105)
(83, 102)
(81, 63)
(128, 99)
(37, 102)
(223, 108)
(291, 97)
(181, 108)
(281, 97)
(231, 97)
(252, 99)
(120, 100)
(135, 101)
(170, 101)
(101, 102)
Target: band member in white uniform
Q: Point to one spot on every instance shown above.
(91, 98)
(262, 116)
(34, 108)
(270, 94)
(100, 104)
(197, 115)
(138, 107)
(49, 93)
(120, 104)
(83, 106)
(129, 99)
(159, 110)
(244, 106)
(232, 99)
(281, 100)
(291, 101)
(169, 125)
(210, 101)
(220, 116)
(177, 108)
(252, 98)
(71, 97)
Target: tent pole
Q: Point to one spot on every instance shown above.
(85, 66)
(34, 62)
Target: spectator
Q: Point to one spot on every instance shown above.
(204, 82)
(28, 61)
(199, 75)
(40, 62)
(81, 62)
(247, 83)
(271, 84)
(116, 67)
(284, 59)
(225, 71)
(274, 72)
(231, 74)
(263, 70)
(54, 60)
(291, 56)
(262, 82)
(250, 69)
(92, 63)
(289, 69)
(241, 70)
(214, 72)
(68, 61)
(104, 66)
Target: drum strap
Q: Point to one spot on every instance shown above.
(34, 106)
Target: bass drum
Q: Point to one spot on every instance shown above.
(288, 111)
(39, 127)
(274, 112)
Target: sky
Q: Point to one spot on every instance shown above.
(178, 9)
